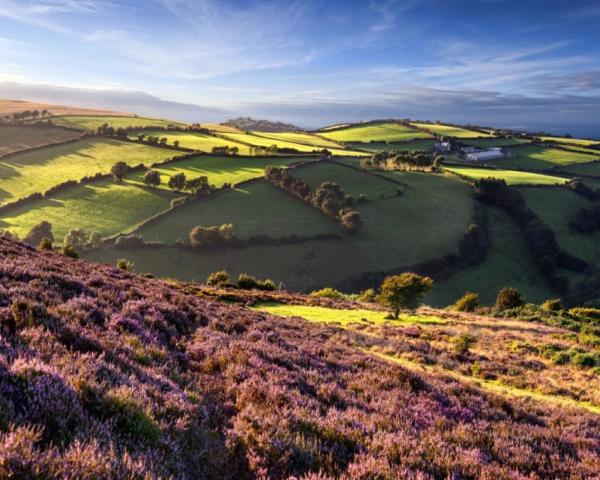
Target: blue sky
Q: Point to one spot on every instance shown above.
(529, 64)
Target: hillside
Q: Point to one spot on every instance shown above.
(8, 107)
(247, 123)
(106, 374)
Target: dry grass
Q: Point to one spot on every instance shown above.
(8, 107)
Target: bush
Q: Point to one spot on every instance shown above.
(38, 232)
(119, 170)
(152, 178)
(509, 298)
(76, 237)
(552, 305)
(124, 264)
(69, 251)
(248, 282)
(45, 244)
(464, 342)
(129, 241)
(404, 291)
(217, 278)
(327, 292)
(369, 295)
(467, 303)
(589, 314)
(211, 237)
(585, 360)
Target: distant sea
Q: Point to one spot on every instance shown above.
(575, 131)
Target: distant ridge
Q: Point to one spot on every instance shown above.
(9, 106)
(248, 123)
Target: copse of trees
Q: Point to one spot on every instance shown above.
(328, 197)
(211, 237)
(177, 182)
(199, 186)
(586, 220)
(410, 160)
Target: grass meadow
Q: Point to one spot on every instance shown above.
(219, 170)
(15, 138)
(102, 206)
(37, 171)
(377, 132)
(540, 158)
(256, 209)
(450, 131)
(92, 122)
(494, 142)
(195, 140)
(300, 137)
(571, 141)
(512, 177)
(410, 146)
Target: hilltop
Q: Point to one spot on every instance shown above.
(107, 374)
(247, 123)
(8, 107)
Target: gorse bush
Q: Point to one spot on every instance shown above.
(327, 292)
(124, 264)
(469, 302)
(211, 237)
(45, 244)
(248, 282)
(464, 342)
(69, 251)
(217, 278)
(552, 305)
(508, 298)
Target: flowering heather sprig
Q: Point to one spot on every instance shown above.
(120, 376)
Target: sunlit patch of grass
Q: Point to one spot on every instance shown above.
(344, 317)
(489, 385)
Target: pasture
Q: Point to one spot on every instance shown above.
(534, 157)
(589, 168)
(424, 144)
(254, 209)
(426, 222)
(508, 263)
(22, 137)
(512, 177)
(557, 206)
(8, 107)
(450, 130)
(494, 142)
(300, 137)
(571, 141)
(92, 122)
(377, 132)
(102, 206)
(266, 142)
(37, 171)
(194, 140)
(219, 170)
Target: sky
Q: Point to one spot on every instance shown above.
(525, 64)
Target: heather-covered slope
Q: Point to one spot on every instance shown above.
(105, 374)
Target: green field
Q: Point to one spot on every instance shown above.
(195, 140)
(556, 207)
(414, 145)
(450, 131)
(256, 209)
(344, 317)
(508, 263)
(37, 171)
(92, 122)
(261, 141)
(299, 137)
(539, 158)
(102, 206)
(427, 221)
(494, 142)
(512, 177)
(219, 170)
(15, 138)
(589, 168)
(378, 132)
(571, 141)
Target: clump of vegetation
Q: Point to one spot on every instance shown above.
(211, 237)
(152, 178)
(406, 290)
(586, 313)
(45, 244)
(119, 171)
(125, 265)
(217, 278)
(328, 292)
(177, 182)
(38, 233)
(248, 282)
(369, 295)
(69, 251)
(469, 302)
(552, 305)
(509, 298)
(463, 343)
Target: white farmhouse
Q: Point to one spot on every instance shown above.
(483, 155)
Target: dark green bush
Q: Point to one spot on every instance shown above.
(509, 298)
(467, 303)
(45, 244)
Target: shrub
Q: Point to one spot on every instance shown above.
(248, 282)
(586, 313)
(95, 240)
(585, 360)
(76, 237)
(552, 305)
(217, 278)
(327, 292)
(69, 251)
(129, 241)
(45, 244)
(404, 291)
(508, 298)
(368, 295)
(177, 182)
(561, 357)
(350, 219)
(464, 342)
(178, 202)
(124, 264)
(38, 232)
(467, 303)
(211, 237)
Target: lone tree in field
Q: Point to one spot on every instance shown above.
(119, 170)
(152, 178)
(177, 182)
(38, 232)
(404, 291)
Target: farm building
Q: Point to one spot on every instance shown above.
(443, 147)
(482, 155)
